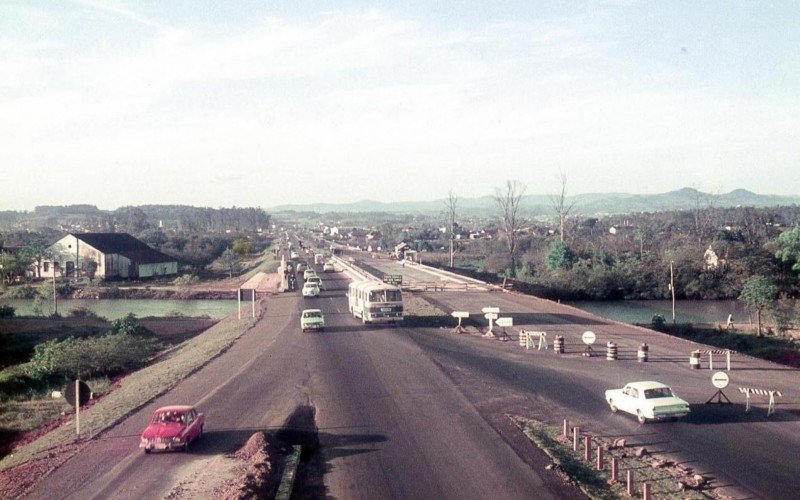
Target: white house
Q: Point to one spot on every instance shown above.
(116, 255)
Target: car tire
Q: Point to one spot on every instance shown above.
(147, 450)
(613, 407)
(640, 417)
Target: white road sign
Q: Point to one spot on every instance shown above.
(588, 337)
(505, 322)
(491, 310)
(490, 315)
(720, 380)
(460, 314)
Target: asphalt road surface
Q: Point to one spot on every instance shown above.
(749, 454)
(391, 423)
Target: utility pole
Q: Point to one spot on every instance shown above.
(672, 288)
(55, 292)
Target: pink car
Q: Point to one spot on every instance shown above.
(172, 427)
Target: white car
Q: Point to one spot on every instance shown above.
(648, 401)
(315, 280)
(310, 290)
(327, 268)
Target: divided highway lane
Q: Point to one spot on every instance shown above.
(250, 387)
(754, 454)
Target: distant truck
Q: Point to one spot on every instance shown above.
(318, 259)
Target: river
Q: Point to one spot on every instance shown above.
(112, 309)
(686, 311)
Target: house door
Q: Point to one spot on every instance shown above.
(70, 269)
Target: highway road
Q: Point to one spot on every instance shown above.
(749, 454)
(390, 422)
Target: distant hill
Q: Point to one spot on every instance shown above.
(586, 204)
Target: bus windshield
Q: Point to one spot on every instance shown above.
(385, 296)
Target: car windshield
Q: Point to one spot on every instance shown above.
(313, 314)
(660, 392)
(168, 417)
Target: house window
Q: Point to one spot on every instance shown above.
(46, 267)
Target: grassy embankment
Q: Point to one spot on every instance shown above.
(771, 348)
(138, 389)
(594, 483)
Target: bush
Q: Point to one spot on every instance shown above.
(107, 355)
(20, 292)
(7, 311)
(128, 325)
(658, 322)
(186, 279)
(82, 312)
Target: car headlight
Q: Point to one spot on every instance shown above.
(176, 439)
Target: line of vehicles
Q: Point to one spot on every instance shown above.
(369, 301)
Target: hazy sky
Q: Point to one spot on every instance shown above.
(218, 103)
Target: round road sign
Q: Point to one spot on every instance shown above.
(720, 380)
(588, 337)
(83, 393)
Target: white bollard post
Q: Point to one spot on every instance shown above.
(771, 407)
(728, 353)
(711, 360)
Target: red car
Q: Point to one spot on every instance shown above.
(172, 428)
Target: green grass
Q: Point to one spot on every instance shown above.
(595, 483)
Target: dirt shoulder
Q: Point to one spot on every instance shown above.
(29, 463)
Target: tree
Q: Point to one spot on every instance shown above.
(242, 247)
(508, 201)
(758, 293)
(229, 261)
(560, 256)
(560, 205)
(451, 204)
(789, 248)
(89, 267)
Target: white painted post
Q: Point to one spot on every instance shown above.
(78, 406)
(711, 360)
(254, 302)
(239, 301)
(771, 407)
(728, 353)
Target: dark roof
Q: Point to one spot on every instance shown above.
(112, 242)
(148, 256)
(123, 244)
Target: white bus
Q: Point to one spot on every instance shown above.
(375, 302)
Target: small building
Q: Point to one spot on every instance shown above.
(113, 255)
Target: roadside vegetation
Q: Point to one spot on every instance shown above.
(663, 475)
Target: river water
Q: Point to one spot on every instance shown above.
(686, 311)
(112, 309)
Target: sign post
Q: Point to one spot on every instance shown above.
(720, 380)
(459, 315)
(77, 394)
(588, 338)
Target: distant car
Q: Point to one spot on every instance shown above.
(301, 266)
(312, 319)
(328, 268)
(172, 428)
(309, 273)
(316, 280)
(293, 255)
(648, 401)
(310, 290)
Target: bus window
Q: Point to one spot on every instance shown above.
(393, 296)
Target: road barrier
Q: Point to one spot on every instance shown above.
(611, 351)
(526, 340)
(747, 391)
(558, 344)
(712, 352)
(642, 356)
(694, 360)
